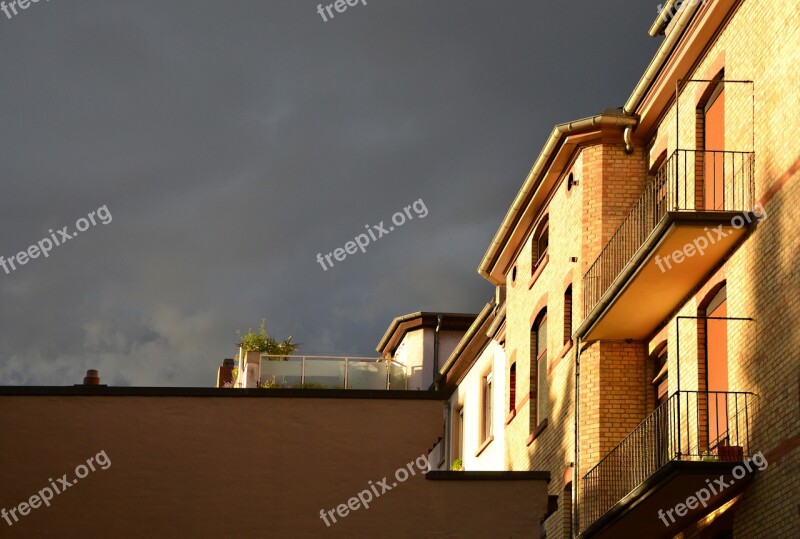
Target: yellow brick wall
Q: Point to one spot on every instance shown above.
(761, 42)
(581, 222)
(552, 450)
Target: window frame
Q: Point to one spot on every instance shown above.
(538, 376)
(568, 307)
(512, 388)
(538, 255)
(487, 408)
(457, 449)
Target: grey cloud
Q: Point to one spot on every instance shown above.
(234, 141)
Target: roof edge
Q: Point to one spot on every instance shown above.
(534, 177)
(465, 340)
(680, 20)
(397, 329)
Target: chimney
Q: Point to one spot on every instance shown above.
(92, 378)
(225, 373)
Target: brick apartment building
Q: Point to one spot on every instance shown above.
(640, 348)
(648, 304)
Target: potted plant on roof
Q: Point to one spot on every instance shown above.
(266, 344)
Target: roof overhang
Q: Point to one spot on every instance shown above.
(403, 324)
(466, 351)
(694, 26)
(548, 169)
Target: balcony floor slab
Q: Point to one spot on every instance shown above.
(653, 284)
(637, 514)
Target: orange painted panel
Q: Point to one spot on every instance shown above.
(717, 339)
(715, 140)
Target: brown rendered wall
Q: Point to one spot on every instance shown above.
(241, 466)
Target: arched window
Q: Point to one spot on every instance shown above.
(568, 314)
(512, 387)
(538, 380)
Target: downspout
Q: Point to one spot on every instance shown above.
(436, 348)
(627, 138)
(576, 449)
(446, 442)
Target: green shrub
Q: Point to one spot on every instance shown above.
(265, 343)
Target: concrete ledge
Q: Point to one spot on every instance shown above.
(105, 391)
(447, 475)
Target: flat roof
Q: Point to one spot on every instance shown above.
(118, 391)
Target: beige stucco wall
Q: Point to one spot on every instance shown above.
(416, 350)
(411, 352)
(448, 340)
(469, 394)
(241, 466)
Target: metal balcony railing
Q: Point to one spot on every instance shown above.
(326, 372)
(690, 425)
(690, 180)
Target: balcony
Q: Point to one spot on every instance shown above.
(325, 372)
(691, 207)
(691, 437)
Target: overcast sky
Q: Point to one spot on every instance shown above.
(232, 141)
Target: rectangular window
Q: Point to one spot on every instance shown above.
(458, 428)
(714, 142)
(487, 407)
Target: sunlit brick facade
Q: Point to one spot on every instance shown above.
(667, 374)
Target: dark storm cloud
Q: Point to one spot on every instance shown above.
(233, 141)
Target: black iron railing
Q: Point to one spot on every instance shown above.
(690, 425)
(690, 180)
